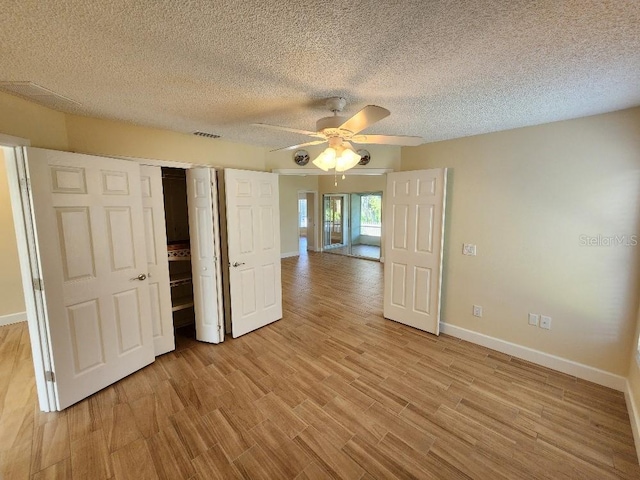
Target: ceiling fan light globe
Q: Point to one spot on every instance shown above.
(326, 160)
(347, 160)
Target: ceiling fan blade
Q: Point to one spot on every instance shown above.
(287, 129)
(388, 140)
(365, 118)
(293, 147)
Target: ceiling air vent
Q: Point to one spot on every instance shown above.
(38, 94)
(206, 134)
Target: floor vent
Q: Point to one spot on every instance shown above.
(206, 134)
(38, 94)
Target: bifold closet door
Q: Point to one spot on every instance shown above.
(202, 198)
(155, 234)
(88, 245)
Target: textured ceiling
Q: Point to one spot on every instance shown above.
(445, 69)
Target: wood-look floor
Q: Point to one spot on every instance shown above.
(331, 391)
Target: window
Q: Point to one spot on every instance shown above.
(371, 215)
(302, 212)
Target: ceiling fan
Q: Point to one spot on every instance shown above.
(340, 131)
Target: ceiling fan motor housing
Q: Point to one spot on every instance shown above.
(329, 125)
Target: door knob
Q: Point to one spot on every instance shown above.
(236, 264)
(140, 277)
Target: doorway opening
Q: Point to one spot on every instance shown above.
(302, 223)
(307, 225)
(174, 187)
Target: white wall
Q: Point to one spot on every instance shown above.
(526, 197)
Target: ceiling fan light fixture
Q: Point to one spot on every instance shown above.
(340, 157)
(326, 160)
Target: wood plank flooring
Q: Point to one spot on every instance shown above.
(331, 391)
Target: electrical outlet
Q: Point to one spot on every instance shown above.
(545, 322)
(468, 249)
(533, 319)
(477, 311)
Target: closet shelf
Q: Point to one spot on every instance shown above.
(180, 303)
(179, 255)
(179, 252)
(180, 279)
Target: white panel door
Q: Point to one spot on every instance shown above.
(202, 197)
(90, 238)
(155, 234)
(414, 231)
(253, 236)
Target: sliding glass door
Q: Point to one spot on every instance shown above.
(335, 222)
(353, 224)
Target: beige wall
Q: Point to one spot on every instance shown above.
(11, 296)
(47, 129)
(382, 156)
(290, 185)
(107, 137)
(525, 197)
(352, 184)
(44, 127)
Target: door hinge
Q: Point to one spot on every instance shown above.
(26, 183)
(38, 284)
(49, 376)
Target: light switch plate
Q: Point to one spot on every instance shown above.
(533, 319)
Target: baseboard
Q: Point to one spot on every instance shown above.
(13, 318)
(560, 364)
(289, 254)
(634, 417)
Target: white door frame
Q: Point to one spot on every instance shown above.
(46, 394)
(27, 247)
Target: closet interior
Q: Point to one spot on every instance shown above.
(174, 185)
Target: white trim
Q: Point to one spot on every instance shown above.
(28, 255)
(317, 171)
(634, 417)
(560, 364)
(158, 163)
(13, 318)
(289, 254)
(11, 141)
